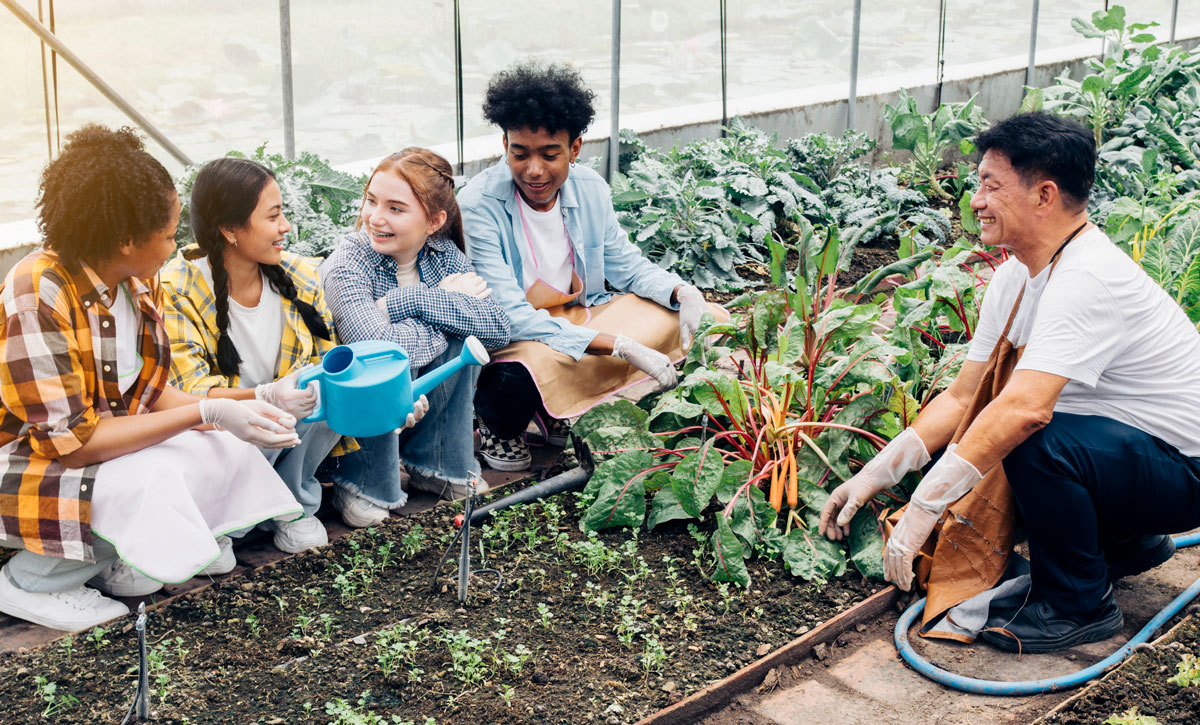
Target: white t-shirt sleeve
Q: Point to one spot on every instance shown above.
(1078, 330)
(998, 300)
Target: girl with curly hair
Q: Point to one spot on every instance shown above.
(543, 233)
(244, 318)
(109, 475)
(402, 276)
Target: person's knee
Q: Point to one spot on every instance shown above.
(1033, 454)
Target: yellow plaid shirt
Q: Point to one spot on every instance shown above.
(191, 320)
(58, 378)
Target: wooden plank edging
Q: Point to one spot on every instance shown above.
(721, 692)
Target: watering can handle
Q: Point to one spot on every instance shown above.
(302, 380)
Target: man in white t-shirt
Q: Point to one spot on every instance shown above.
(1097, 428)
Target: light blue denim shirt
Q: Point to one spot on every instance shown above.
(603, 252)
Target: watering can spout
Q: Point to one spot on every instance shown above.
(473, 353)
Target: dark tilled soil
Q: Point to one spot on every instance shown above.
(300, 642)
(1143, 682)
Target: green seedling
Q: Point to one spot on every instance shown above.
(67, 646)
(506, 694)
(595, 596)
(413, 541)
(254, 625)
(546, 615)
(1131, 717)
(466, 657)
(98, 637)
(56, 702)
(397, 647)
(514, 661)
(653, 656)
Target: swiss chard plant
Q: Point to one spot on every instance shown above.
(930, 136)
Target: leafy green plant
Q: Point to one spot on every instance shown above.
(467, 662)
(1188, 671)
(1131, 717)
(930, 136)
(98, 637)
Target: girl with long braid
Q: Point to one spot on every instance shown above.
(244, 317)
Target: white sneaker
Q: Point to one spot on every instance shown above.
(445, 489)
(120, 580)
(73, 611)
(296, 536)
(224, 563)
(357, 511)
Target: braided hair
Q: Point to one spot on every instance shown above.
(224, 195)
(432, 181)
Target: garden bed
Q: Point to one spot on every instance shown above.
(1143, 682)
(601, 628)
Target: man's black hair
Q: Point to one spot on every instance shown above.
(531, 95)
(1041, 145)
(103, 190)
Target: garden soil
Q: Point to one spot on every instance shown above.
(299, 641)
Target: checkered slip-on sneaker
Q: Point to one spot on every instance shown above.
(503, 454)
(551, 431)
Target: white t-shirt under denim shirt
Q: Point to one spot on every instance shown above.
(256, 332)
(1130, 352)
(551, 246)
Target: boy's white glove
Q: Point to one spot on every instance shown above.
(253, 421)
(691, 307)
(652, 362)
(906, 452)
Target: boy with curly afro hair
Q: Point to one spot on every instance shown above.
(97, 452)
(543, 234)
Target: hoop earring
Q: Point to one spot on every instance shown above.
(572, 164)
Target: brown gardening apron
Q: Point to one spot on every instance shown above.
(570, 387)
(968, 552)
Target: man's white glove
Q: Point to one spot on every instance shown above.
(652, 362)
(949, 480)
(420, 408)
(253, 421)
(691, 307)
(906, 452)
(283, 394)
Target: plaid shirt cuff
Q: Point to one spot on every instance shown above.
(61, 441)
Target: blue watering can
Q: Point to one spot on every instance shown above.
(366, 387)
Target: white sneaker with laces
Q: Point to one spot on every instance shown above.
(73, 611)
(445, 489)
(357, 511)
(224, 563)
(300, 535)
(120, 580)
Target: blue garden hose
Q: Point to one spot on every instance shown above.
(1050, 684)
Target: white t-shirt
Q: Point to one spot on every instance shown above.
(256, 332)
(550, 244)
(408, 274)
(1130, 352)
(127, 327)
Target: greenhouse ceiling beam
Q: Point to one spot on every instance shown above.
(614, 140)
(106, 90)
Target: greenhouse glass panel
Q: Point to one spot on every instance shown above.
(670, 57)
(372, 76)
(787, 47)
(986, 32)
(22, 106)
(495, 35)
(206, 72)
(898, 38)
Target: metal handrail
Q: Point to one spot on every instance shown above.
(90, 75)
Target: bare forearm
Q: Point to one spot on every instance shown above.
(602, 344)
(235, 393)
(119, 435)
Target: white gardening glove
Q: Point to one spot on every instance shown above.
(253, 421)
(283, 394)
(906, 452)
(651, 362)
(691, 307)
(420, 408)
(468, 283)
(949, 480)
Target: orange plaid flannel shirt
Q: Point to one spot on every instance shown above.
(58, 377)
